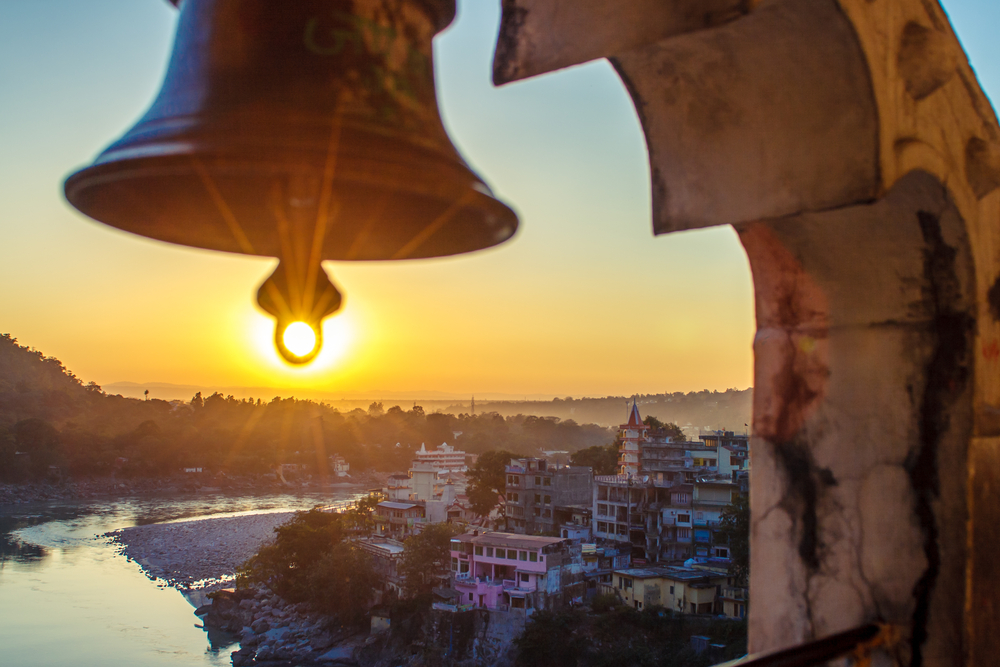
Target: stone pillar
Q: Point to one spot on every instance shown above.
(862, 419)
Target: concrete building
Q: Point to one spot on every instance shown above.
(681, 589)
(385, 555)
(633, 435)
(508, 571)
(398, 520)
(538, 494)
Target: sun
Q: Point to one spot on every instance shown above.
(338, 352)
(299, 338)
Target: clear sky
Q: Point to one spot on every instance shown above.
(584, 301)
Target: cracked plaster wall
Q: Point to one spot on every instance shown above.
(862, 419)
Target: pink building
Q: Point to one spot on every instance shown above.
(507, 571)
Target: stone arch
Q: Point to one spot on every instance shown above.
(851, 147)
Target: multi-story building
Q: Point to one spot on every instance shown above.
(633, 435)
(508, 571)
(398, 520)
(385, 555)
(540, 496)
(444, 457)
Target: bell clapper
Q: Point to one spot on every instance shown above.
(298, 312)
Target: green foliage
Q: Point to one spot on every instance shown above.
(602, 458)
(426, 559)
(311, 561)
(487, 480)
(735, 526)
(554, 639)
(603, 602)
(621, 635)
(663, 428)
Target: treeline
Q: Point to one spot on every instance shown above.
(705, 410)
(49, 417)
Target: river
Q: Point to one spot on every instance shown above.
(68, 598)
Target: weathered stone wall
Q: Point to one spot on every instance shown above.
(864, 375)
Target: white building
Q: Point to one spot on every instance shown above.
(444, 457)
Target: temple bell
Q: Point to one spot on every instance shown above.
(304, 130)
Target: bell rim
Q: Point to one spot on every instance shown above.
(137, 169)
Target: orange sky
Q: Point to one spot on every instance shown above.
(584, 300)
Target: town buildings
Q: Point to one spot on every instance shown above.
(666, 502)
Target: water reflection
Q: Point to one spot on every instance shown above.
(62, 580)
(13, 549)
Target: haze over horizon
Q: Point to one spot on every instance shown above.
(584, 301)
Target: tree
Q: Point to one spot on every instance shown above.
(426, 558)
(310, 561)
(735, 526)
(488, 480)
(663, 428)
(603, 459)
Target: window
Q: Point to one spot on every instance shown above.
(489, 551)
(671, 590)
(547, 514)
(463, 567)
(510, 480)
(538, 498)
(454, 564)
(602, 510)
(538, 512)
(548, 499)
(524, 577)
(684, 533)
(533, 556)
(470, 597)
(602, 527)
(683, 518)
(538, 481)
(699, 515)
(511, 554)
(522, 555)
(479, 551)
(547, 482)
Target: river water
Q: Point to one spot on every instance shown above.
(68, 598)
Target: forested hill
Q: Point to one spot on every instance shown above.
(703, 410)
(49, 417)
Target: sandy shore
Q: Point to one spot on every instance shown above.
(197, 553)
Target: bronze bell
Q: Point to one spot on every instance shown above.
(303, 130)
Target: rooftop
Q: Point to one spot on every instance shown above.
(392, 505)
(674, 572)
(510, 540)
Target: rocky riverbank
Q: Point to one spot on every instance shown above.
(274, 632)
(202, 553)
